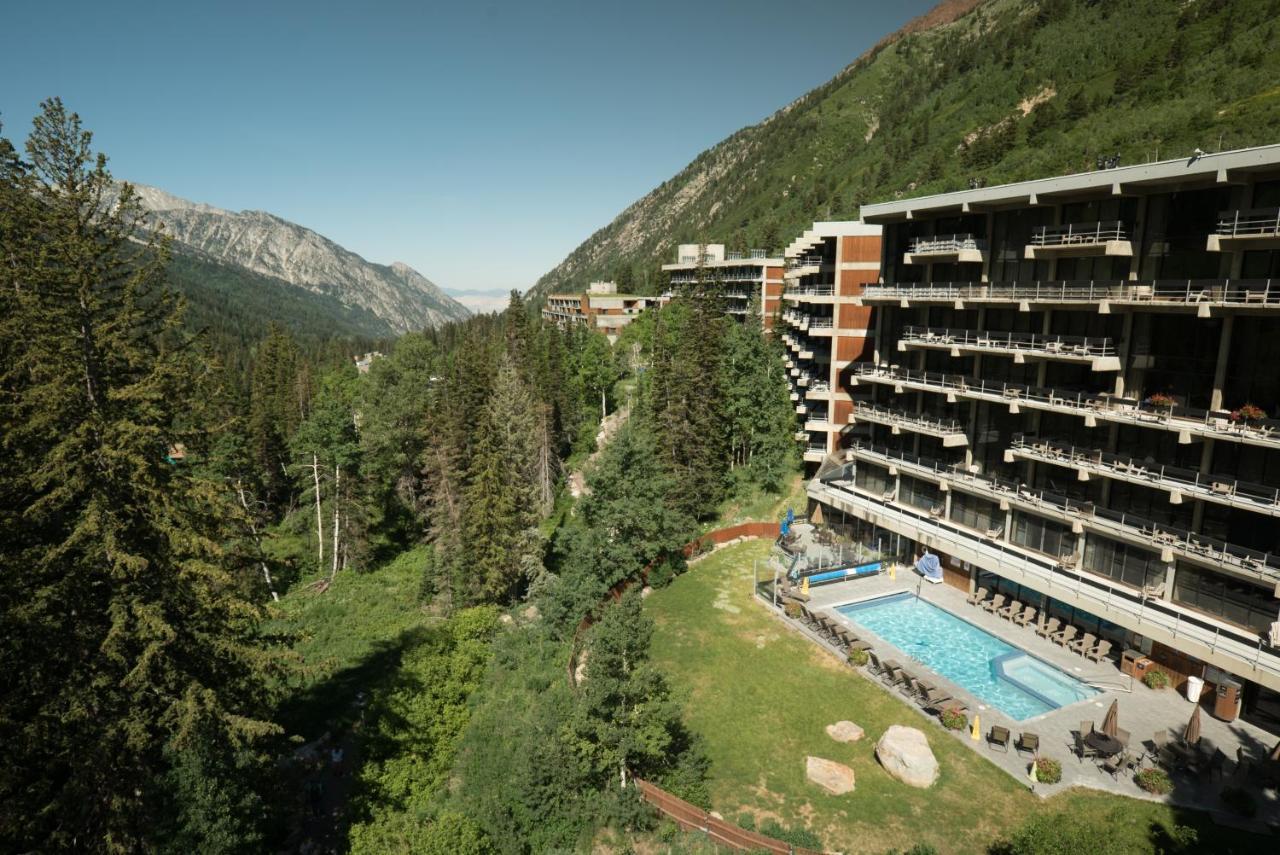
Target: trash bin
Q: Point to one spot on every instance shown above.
(1195, 685)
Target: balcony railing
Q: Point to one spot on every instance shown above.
(1066, 347)
(1091, 406)
(738, 255)
(950, 430)
(946, 244)
(1074, 234)
(1259, 222)
(1191, 293)
(810, 291)
(804, 261)
(1175, 480)
(1201, 549)
(816, 448)
(1095, 594)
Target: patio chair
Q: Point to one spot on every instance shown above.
(937, 701)
(1083, 749)
(1113, 764)
(1122, 736)
(1028, 741)
(890, 673)
(1044, 630)
(1027, 616)
(906, 682)
(999, 736)
(1099, 651)
(1160, 747)
(1010, 610)
(1063, 637)
(859, 644)
(976, 597)
(993, 604)
(1083, 643)
(874, 665)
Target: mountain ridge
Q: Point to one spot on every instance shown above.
(265, 244)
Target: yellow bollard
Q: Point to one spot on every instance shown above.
(974, 734)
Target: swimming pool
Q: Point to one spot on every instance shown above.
(996, 672)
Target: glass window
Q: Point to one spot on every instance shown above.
(979, 514)
(1042, 535)
(1122, 562)
(1232, 600)
(873, 479)
(919, 494)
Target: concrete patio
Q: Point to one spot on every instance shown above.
(1142, 711)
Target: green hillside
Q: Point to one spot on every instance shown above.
(1007, 91)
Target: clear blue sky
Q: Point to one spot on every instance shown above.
(478, 142)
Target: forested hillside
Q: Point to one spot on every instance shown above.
(1013, 89)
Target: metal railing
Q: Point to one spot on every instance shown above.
(1258, 222)
(816, 447)
(1100, 405)
(1073, 234)
(914, 422)
(1190, 292)
(1066, 346)
(946, 243)
(1099, 596)
(804, 261)
(1211, 488)
(1201, 548)
(718, 275)
(810, 291)
(738, 255)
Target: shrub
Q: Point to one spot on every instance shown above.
(1155, 679)
(858, 657)
(1240, 800)
(1048, 770)
(1154, 781)
(795, 836)
(954, 720)
(791, 610)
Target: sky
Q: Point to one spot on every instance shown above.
(478, 142)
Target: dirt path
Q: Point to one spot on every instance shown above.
(609, 428)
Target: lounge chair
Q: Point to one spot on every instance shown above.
(906, 682)
(976, 597)
(1028, 741)
(999, 736)
(1045, 630)
(1027, 616)
(993, 604)
(859, 644)
(1083, 644)
(890, 672)
(873, 663)
(937, 701)
(1064, 636)
(1099, 651)
(1010, 610)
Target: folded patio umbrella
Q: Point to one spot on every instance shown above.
(1111, 724)
(1192, 734)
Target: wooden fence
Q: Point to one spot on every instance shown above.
(718, 831)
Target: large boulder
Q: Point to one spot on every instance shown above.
(845, 731)
(835, 778)
(905, 754)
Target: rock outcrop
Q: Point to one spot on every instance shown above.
(835, 778)
(845, 731)
(905, 754)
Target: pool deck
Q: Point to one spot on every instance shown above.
(1142, 711)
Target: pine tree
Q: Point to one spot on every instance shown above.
(124, 638)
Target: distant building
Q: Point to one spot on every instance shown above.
(601, 308)
(365, 360)
(741, 278)
(824, 329)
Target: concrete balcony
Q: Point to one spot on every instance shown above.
(961, 248)
(1201, 296)
(1236, 650)
(802, 408)
(1179, 483)
(1106, 237)
(1186, 422)
(1098, 353)
(806, 354)
(948, 430)
(1246, 229)
(1170, 541)
(817, 421)
(815, 294)
(819, 390)
(801, 435)
(815, 452)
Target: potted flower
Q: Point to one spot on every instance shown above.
(1048, 770)
(954, 720)
(1161, 401)
(1248, 413)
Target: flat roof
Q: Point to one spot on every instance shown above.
(822, 230)
(728, 262)
(1222, 167)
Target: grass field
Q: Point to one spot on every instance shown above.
(761, 695)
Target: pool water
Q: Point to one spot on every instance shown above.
(994, 671)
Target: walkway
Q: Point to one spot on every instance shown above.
(1142, 711)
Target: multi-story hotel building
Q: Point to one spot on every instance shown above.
(824, 328)
(748, 281)
(601, 308)
(1073, 400)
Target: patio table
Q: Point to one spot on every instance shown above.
(1103, 744)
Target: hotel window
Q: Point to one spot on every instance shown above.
(873, 479)
(978, 514)
(918, 494)
(1121, 562)
(1232, 600)
(1042, 535)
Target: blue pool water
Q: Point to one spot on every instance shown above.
(994, 671)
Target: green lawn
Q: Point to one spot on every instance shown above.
(761, 695)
